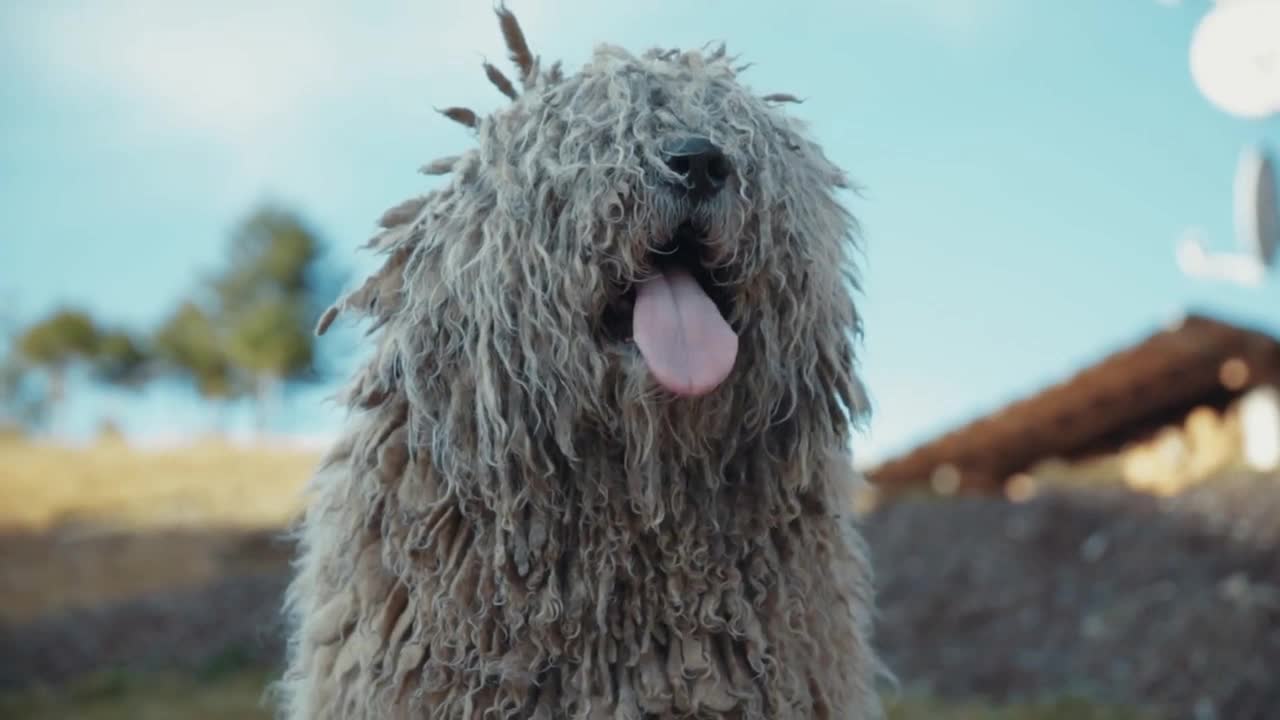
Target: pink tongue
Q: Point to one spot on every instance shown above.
(687, 344)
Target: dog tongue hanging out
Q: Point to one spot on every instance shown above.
(518, 521)
(686, 342)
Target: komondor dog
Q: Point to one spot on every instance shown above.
(597, 465)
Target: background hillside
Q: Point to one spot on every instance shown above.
(157, 594)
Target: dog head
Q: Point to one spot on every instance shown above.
(644, 253)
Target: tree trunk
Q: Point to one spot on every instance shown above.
(266, 399)
(221, 407)
(57, 385)
(57, 393)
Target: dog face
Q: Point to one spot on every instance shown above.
(644, 247)
(701, 210)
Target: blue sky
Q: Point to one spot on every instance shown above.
(1028, 166)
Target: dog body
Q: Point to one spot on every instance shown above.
(596, 465)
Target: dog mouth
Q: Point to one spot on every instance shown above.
(677, 318)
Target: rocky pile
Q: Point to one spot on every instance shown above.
(1122, 596)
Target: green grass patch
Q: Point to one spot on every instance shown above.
(236, 693)
(1064, 708)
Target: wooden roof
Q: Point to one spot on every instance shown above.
(1196, 361)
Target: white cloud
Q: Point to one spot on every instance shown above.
(259, 88)
(959, 19)
(239, 72)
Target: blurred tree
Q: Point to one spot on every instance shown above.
(255, 334)
(23, 401)
(24, 404)
(273, 341)
(56, 343)
(269, 298)
(187, 345)
(120, 359)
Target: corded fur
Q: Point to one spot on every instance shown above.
(516, 522)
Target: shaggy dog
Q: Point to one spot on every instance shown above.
(596, 465)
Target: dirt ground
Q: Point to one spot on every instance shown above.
(1168, 604)
(1113, 594)
(168, 600)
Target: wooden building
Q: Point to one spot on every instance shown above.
(1197, 361)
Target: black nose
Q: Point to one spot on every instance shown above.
(703, 165)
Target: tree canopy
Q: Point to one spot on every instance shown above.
(187, 344)
(64, 337)
(248, 329)
(244, 330)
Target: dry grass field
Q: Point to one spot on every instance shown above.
(83, 526)
(110, 485)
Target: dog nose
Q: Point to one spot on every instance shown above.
(703, 165)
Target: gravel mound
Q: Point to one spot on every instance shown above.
(236, 620)
(1122, 596)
